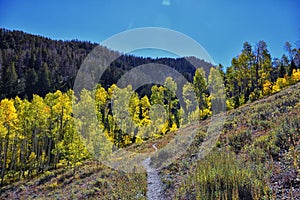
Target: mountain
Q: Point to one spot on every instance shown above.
(31, 64)
(256, 156)
(47, 141)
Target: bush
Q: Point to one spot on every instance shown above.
(222, 176)
(238, 140)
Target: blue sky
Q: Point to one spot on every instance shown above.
(220, 26)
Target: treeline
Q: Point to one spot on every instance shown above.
(43, 133)
(254, 74)
(32, 64)
(35, 136)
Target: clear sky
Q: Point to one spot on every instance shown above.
(220, 26)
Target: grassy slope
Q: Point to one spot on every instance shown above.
(253, 137)
(90, 181)
(244, 128)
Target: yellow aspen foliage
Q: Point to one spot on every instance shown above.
(145, 109)
(279, 84)
(267, 88)
(101, 99)
(206, 112)
(173, 127)
(296, 75)
(165, 128)
(134, 108)
(8, 113)
(101, 96)
(229, 104)
(127, 140)
(111, 90)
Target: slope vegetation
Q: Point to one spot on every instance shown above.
(256, 157)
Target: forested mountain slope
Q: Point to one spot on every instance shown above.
(40, 141)
(255, 157)
(31, 64)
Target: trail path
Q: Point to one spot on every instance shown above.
(154, 189)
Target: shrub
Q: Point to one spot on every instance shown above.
(238, 140)
(222, 176)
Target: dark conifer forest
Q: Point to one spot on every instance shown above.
(33, 64)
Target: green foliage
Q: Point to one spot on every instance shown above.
(91, 181)
(239, 139)
(288, 136)
(200, 89)
(217, 91)
(38, 135)
(9, 81)
(253, 133)
(190, 101)
(222, 176)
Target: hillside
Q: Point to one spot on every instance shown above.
(255, 157)
(157, 100)
(50, 133)
(31, 64)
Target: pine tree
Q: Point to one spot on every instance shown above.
(43, 84)
(9, 81)
(31, 83)
(291, 67)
